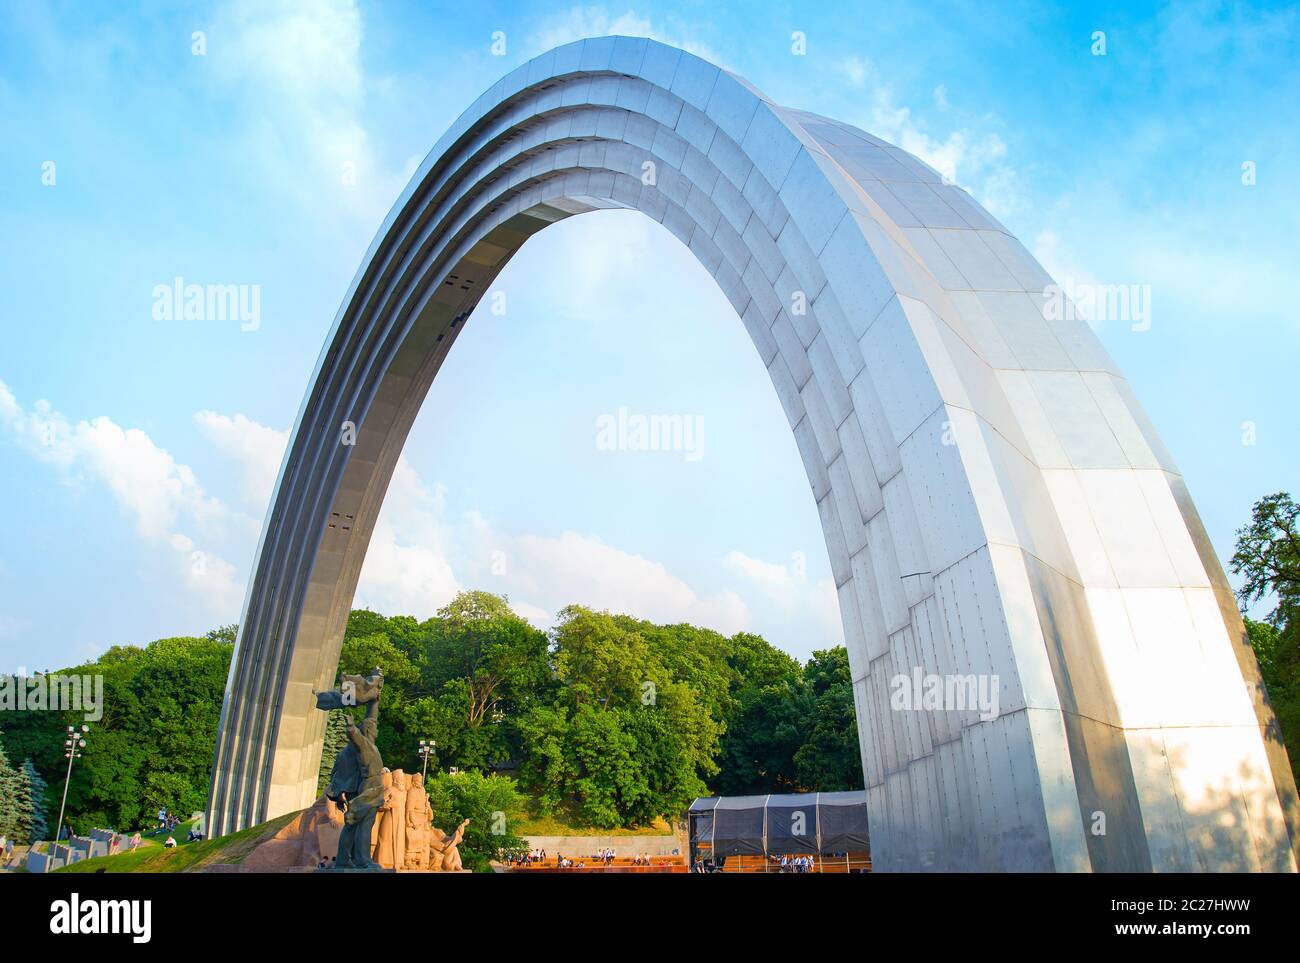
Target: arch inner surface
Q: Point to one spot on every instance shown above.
(998, 511)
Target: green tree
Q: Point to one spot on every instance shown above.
(223, 634)
(1267, 557)
(761, 741)
(829, 760)
(625, 740)
(758, 664)
(795, 729)
(598, 660)
(23, 806)
(37, 791)
(496, 653)
(10, 817)
(491, 803)
(461, 678)
(152, 747)
(336, 737)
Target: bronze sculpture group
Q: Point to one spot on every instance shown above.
(387, 820)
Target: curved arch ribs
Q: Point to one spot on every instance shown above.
(998, 511)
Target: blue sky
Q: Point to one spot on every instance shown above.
(137, 455)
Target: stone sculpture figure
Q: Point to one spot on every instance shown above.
(357, 779)
(377, 830)
(419, 818)
(444, 854)
(308, 842)
(321, 826)
(390, 852)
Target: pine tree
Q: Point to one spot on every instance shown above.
(336, 737)
(9, 791)
(22, 806)
(39, 826)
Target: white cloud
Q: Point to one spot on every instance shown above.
(296, 68)
(417, 559)
(784, 595)
(581, 568)
(975, 160)
(855, 69)
(161, 496)
(578, 23)
(407, 567)
(771, 576)
(538, 616)
(1059, 261)
(257, 449)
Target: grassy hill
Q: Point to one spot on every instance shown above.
(186, 857)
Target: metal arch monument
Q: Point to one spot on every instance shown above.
(994, 501)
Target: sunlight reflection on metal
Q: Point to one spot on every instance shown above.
(994, 501)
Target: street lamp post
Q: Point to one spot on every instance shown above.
(72, 746)
(427, 747)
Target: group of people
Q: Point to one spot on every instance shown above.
(785, 864)
(602, 857)
(797, 864)
(115, 843)
(534, 855)
(166, 822)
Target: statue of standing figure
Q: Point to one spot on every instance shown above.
(357, 780)
(419, 818)
(387, 819)
(390, 847)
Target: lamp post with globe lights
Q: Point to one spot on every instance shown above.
(74, 741)
(427, 747)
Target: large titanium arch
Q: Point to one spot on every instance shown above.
(994, 501)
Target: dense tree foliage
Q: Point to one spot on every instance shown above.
(607, 721)
(336, 737)
(794, 728)
(1268, 559)
(18, 797)
(460, 678)
(153, 746)
(22, 801)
